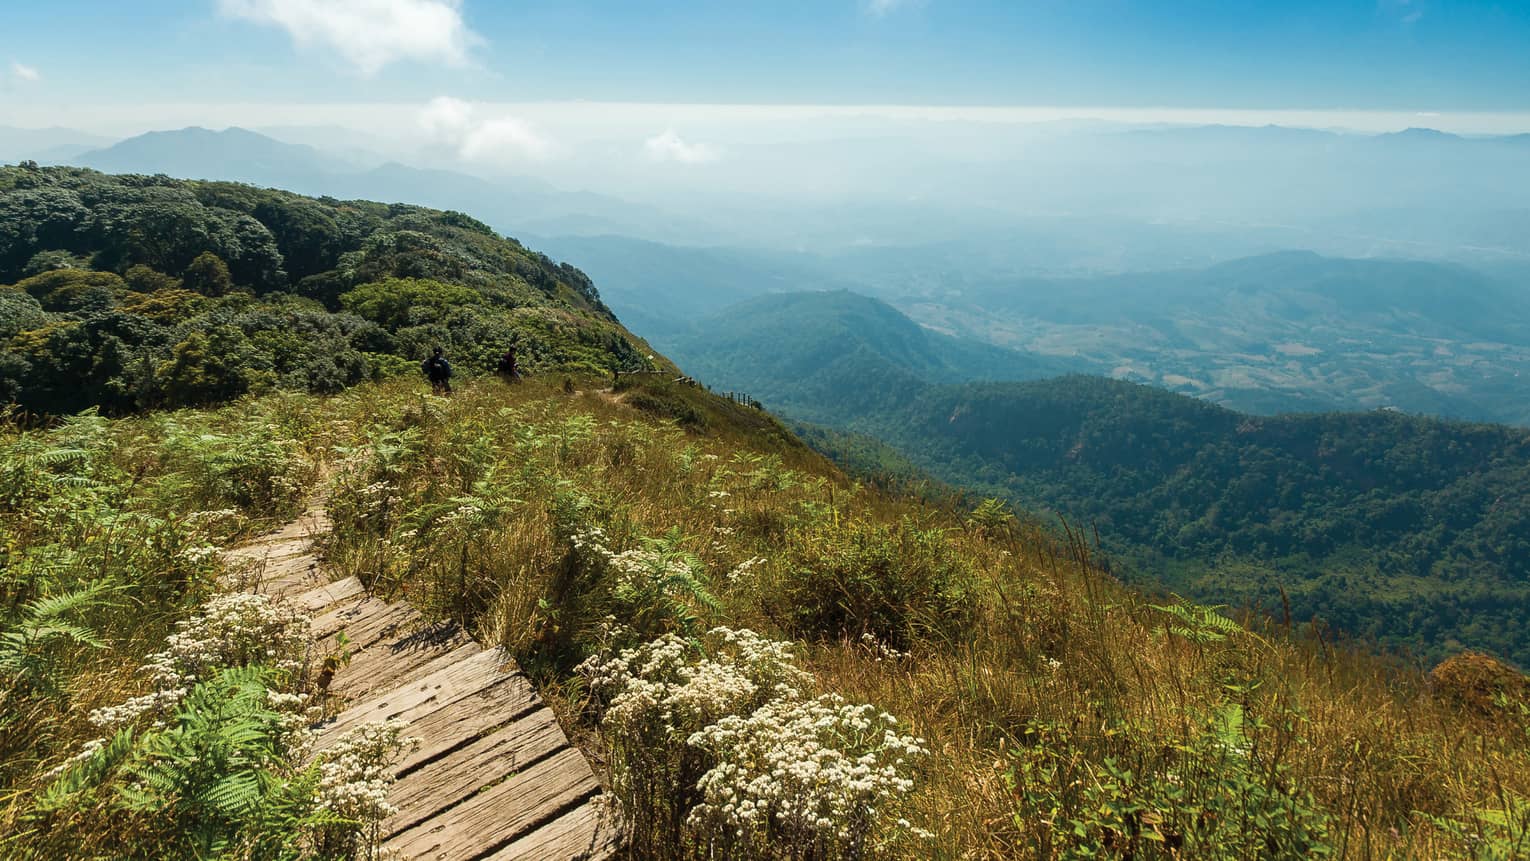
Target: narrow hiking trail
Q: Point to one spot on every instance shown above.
(494, 776)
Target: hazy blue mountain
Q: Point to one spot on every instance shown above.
(514, 205)
(798, 350)
(232, 154)
(664, 289)
(1280, 332)
(47, 146)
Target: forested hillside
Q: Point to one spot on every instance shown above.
(824, 355)
(128, 292)
(1405, 529)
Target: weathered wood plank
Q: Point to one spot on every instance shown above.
(494, 772)
(306, 526)
(322, 597)
(498, 815)
(366, 622)
(391, 663)
(586, 833)
(411, 702)
(270, 550)
(503, 702)
(462, 773)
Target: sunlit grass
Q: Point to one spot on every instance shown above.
(997, 643)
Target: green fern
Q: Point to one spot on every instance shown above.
(32, 646)
(1202, 625)
(86, 774)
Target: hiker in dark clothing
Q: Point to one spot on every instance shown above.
(438, 371)
(508, 366)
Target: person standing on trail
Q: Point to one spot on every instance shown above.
(438, 371)
(509, 366)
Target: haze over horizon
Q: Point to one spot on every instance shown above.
(537, 73)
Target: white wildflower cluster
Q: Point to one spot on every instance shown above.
(377, 498)
(219, 523)
(590, 540)
(464, 513)
(362, 487)
(356, 774)
(646, 578)
(780, 773)
(231, 631)
(745, 572)
(643, 569)
(661, 689)
(805, 773)
(198, 554)
(87, 750)
(879, 650)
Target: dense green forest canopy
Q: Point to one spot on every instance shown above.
(1410, 530)
(127, 292)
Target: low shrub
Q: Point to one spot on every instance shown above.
(894, 581)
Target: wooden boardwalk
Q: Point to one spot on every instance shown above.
(494, 776)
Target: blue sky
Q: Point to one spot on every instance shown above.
(1405, 55)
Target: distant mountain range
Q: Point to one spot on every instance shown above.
(1281, 332)
(46, 145)
(512, 206)
(800, 352)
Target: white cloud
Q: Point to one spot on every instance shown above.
(1406, 12)
(446, 118)
(883, 8)
(367, 34)
(23, 72)
(669, 146)
(503, 139)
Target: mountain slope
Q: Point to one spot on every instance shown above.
(1402, 528)
(664, 289)
(796, 350)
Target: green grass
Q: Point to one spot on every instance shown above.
(1064, 714)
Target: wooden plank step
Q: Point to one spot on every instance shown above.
(306, 526)
(460, 774)
(322, 597)
(586, 833)
(410, 702)
(496, 816)
(271, 550)
(503, 702)
(391, 663)
(366, 622)
(289, 567)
